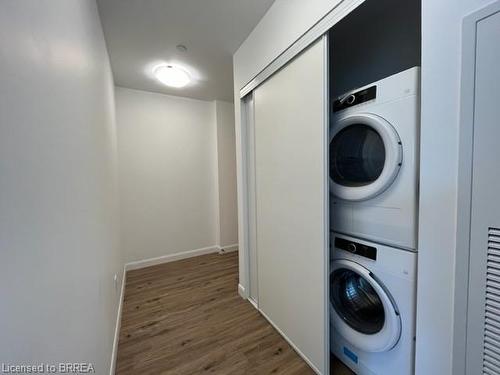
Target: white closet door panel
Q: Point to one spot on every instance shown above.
(291, 196)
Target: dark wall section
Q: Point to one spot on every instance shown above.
(378, 39)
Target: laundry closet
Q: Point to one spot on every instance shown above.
(330, 156)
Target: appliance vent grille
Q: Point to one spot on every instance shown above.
(491, 348)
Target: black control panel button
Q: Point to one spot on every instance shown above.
(352, 247)
(357, 248)
(355, 98)
(350, 99)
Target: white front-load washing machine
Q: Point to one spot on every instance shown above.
(374, 151)
(372, 306)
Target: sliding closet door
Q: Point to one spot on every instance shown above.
(291, 201)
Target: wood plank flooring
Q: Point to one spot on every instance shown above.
(186, 317)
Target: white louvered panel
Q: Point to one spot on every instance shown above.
(491, 343)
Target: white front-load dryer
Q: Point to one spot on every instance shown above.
(374, 144)
(372, 306)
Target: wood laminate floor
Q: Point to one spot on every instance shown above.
(186, 317)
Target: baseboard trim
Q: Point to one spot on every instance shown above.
(171, 258)
(253, 303)
(242, 292)
(228, 248)
(302, 355)
(114, 353)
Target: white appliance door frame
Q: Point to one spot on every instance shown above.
(393, 156)
(291, 135)
(390, 333)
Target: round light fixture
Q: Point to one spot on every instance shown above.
(171, 75)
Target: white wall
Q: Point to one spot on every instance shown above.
(226, 155)
(168, 173)
(58, 222)
(438, 180)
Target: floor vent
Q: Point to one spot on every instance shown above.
(491, 349)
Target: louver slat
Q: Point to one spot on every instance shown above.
(493, 250)
(494, 293)
(491, 343)
(491, 330)
(493, 278)
(493, 284)
(494, 306)
(493, 261)
(494, 242)
(492, 318)
(494, 232)
(493, 296)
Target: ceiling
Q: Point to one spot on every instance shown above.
(142, 34)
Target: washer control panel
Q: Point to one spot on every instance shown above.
(351, 99)
(357, 248)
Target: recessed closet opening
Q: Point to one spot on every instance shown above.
(331, 190)
(373, 152)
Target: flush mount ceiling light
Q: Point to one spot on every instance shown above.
(171, 75)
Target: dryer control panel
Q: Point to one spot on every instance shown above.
(349, 100)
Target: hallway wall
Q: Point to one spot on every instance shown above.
(58, 224)
(168, 167)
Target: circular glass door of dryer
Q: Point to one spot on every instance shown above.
(361, 309)
(365, 156)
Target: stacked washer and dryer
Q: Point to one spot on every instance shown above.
(374, 153)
